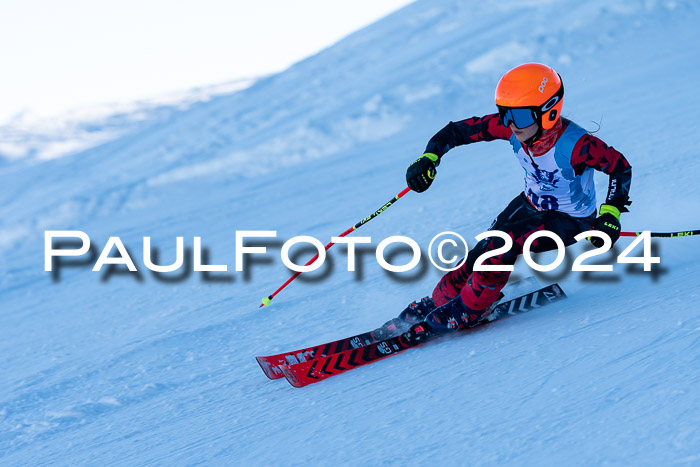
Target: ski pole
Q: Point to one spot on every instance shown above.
(266, 300)
(688, 233)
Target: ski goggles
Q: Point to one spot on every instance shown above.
(521, 117)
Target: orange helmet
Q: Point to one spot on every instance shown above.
(534, 89)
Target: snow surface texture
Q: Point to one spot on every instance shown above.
(34, 137)
(116, 370)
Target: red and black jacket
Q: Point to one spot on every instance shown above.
(589, 151)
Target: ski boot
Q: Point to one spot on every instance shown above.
(416, 312)
(454, 315)
(451, 316)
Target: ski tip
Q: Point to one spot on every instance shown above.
(290, 376)
(270, 371)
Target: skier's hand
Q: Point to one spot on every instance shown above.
(608, 221)
(421, 172)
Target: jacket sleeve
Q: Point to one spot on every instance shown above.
(591, 151)
(471, 130)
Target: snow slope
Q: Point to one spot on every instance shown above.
(117, 369)
(41, 137)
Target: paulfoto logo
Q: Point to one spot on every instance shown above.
(451, 252)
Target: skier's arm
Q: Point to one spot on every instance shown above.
(471, 130)
(591, 151)
(420, 174)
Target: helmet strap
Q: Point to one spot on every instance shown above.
(533, 139)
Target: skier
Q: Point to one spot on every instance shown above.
(558, 157)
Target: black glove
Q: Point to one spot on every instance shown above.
(608, 221)
(421, 172)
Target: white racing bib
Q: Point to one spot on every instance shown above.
(550, 183)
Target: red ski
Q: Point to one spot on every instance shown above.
(271, 364)
(313, 370)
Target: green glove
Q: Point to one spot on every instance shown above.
(608, 221)
(421, 173)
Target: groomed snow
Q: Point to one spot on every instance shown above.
(120, 371)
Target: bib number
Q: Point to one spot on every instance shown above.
(544, 202)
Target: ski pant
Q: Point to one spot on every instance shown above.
(519, 220)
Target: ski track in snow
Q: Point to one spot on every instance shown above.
(115, 370)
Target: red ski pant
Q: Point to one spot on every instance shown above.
(479, 289)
